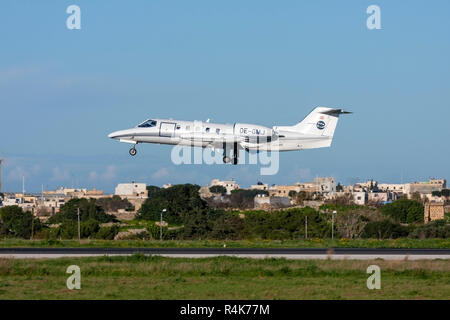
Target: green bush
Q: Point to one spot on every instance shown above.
(114, 204)
(179, 201)
(17, 223)
(89, 210)
(285, 224)
(107, 233)
(433, 229)
(69, 230)
(404, 211)
(218, 189)
(385, 229)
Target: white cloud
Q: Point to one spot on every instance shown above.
(302, 174)
(36, 169)
(93, 176)
(60, 174)
(110, 173)
(17, 173)
(15, 73)
(161, 173)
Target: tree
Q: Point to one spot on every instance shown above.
(433, 229)
(197, 225)
(227, 226)
(178, 200)
(302, 196)
(284, 224)
(107, 233)
(69, 229)
(218, 189)
(114, 203)
(443, 193)
(350, 224)
(384, 229)
(152, 189)
(89, 210)
(345, 199)
(416, 197)
(339, 187)
(16, 222)
(292, 194)
(404, 211)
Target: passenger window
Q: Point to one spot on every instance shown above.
(207, 130)
(217, 131)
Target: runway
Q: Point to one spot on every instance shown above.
(255, 253)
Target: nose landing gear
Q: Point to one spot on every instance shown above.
(133, 151)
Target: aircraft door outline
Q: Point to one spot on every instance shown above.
(167, 129)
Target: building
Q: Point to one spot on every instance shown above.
(359, 197)
(425, 187)
(259, 186)
(392, 187)
(282, 191)
(434, 211)
(230, 185)
(325, 185)
(131, 190)
(75, 193)
(263, 201)
(308, 187)
(378, 197)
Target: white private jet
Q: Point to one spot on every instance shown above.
(315, 131)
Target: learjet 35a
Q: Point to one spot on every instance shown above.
(315, 131)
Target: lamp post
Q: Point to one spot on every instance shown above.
(79, 233)
(332, 224)
(160, 225)
(306, 227)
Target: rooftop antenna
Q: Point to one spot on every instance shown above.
(1, 160)
(23, 189)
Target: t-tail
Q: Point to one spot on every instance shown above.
(322, 121)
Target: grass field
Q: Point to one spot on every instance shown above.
(152, 277)
(312, 243)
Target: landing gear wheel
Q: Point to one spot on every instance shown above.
(133, 151)
(226, 159)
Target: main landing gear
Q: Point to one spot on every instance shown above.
(133, 151)
(226, 158)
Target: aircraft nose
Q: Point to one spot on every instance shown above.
(113, 135)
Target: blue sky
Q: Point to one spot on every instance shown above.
(267, 62)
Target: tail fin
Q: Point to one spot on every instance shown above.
(321, 121)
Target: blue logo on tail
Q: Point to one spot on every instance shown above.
(320, 125)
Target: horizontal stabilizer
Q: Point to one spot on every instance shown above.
(335, 112)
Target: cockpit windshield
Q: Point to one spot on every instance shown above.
(147, 124)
